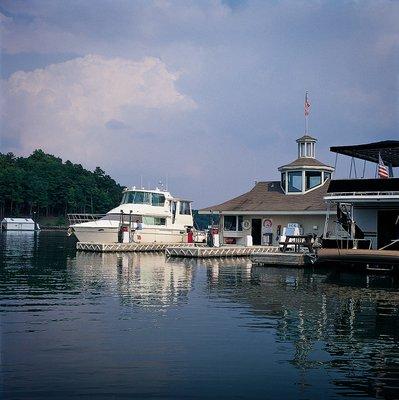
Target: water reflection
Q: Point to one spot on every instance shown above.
(108, 325)
(146, 280)
(17, 248)
(346, 324)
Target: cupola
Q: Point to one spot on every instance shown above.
(306, 146)
(306, 173)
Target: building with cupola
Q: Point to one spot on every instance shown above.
(294, 200)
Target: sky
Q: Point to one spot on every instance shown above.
(206, 95)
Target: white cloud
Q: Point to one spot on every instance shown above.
(246, 64)
(60, 108)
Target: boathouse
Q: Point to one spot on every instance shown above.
(296, 200)
(18, 224)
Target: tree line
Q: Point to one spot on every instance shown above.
(43, 184)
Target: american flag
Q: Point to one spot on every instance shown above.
(382, 168)
(307, 105)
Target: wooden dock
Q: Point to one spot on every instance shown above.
(214, 252)
(283, 259)
(129, 247)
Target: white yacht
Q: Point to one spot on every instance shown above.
(144, 216)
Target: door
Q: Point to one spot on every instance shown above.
(388, 227)
(256, 231)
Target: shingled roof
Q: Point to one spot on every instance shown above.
(305, 161)
(268, 196)
(306, 137)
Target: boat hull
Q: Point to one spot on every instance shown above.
(110, 235)
(368, 260)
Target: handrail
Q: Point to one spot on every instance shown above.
(88, 217)
(80, 218)
(392, 244)
(390, 193)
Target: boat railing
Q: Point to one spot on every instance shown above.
(393, 245)
(344, 240)
(109, 217)
(369, 193)
(80, 218)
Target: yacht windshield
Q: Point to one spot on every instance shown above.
(136, 197)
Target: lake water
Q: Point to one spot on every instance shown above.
(85, 325)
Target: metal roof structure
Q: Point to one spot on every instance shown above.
(388, 149)
(19, 220)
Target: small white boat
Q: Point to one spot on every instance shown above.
(144, 216)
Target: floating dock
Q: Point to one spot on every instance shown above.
(223, 251)
(128, 247)
(283, 259)
(260, 255)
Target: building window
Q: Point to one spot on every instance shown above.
(233, 222)
(185, 208)
(295, 181)
(239, 222)
(230, 223)
(313, 179)
(283, 178)
(327, 175)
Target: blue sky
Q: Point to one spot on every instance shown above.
(207, 93)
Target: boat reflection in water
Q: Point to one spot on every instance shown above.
(18, 247)
(142, 279)
(347, 324)
(119, 325)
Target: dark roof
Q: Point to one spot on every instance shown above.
(305, 161)
(389, 150)
(363, 185)
(268, 196)
(306, 137)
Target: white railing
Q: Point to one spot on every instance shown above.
(80, 218)
(373, 193)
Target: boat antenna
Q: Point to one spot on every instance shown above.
(141, 182)
(166, 181)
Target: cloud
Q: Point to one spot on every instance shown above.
(234, 109)
(62, 108)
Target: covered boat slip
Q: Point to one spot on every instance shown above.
(367, 211)
(387, 149)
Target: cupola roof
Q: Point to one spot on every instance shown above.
(306, 138)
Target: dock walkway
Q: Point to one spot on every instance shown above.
(284, 259)
(214, 252)
(192, 250)
(127, 247)
(260, 255)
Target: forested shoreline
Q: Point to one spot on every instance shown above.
(45, 185)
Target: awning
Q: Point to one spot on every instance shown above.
(389, 150)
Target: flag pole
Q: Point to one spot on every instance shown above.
(306, 112)
(306, 124)
(306, 117)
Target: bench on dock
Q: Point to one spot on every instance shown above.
(297, 242)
